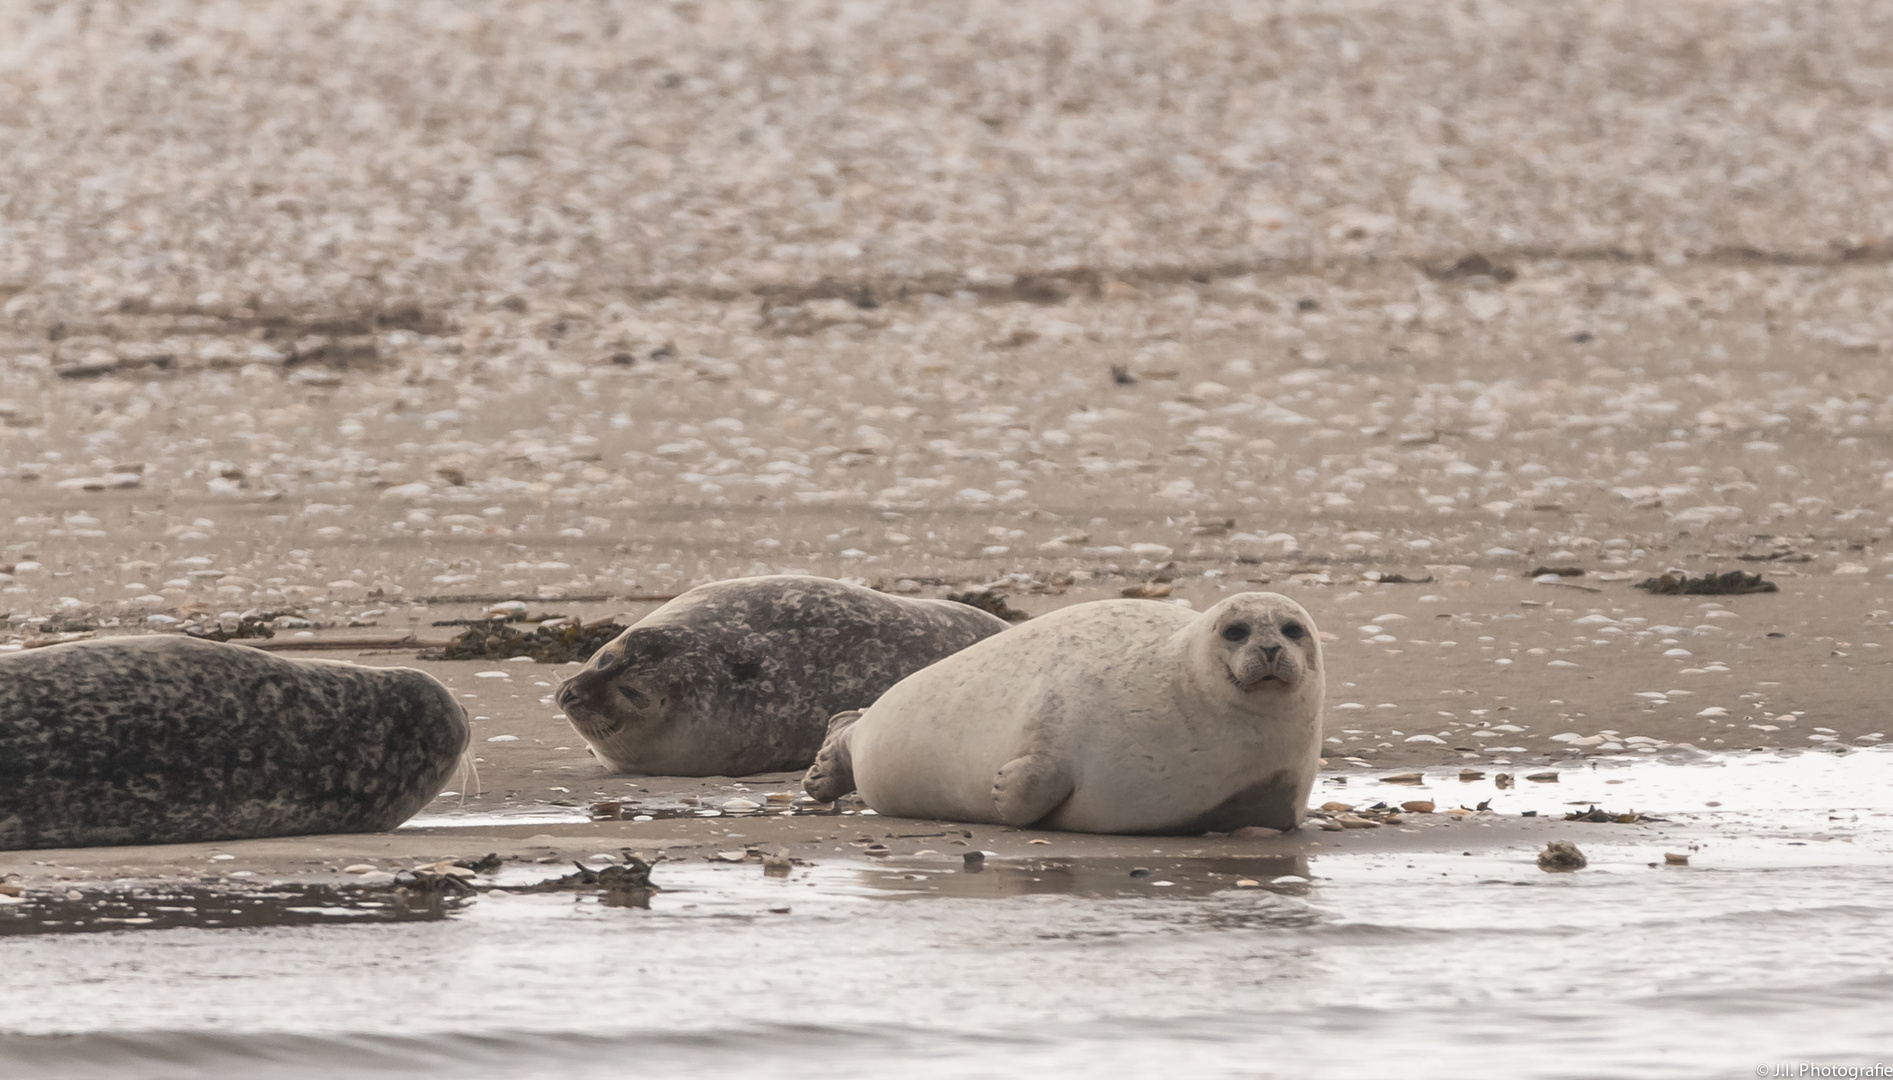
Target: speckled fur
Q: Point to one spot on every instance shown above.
(157, 740)
(740, 677)
(1120, 716)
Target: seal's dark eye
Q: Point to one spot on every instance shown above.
(1293, 631)
(1235, 632)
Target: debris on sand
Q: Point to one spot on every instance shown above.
(990, 602)
(485, 864)
(551, 642)
(1381, 578)
(1561, 856)
(1558, 571)
(1146, 590)
(428, 881)
(1733, 583)
(249, 626)
(1602, 816)
(1334, 816)
(633, 876)
(1471, 266)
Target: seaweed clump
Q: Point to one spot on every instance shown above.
(250, 626)
(619, 885)
(1733, 583)
(989, 602)
(552, 642)
(1605, 816)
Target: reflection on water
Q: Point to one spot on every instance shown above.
(1771, 945)
(223, 906)
(549, 814)
(1092, 878)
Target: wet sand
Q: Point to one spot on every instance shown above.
(1434, 944)
(1507, 813)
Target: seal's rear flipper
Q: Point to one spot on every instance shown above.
(832, 775)
(1029, 788)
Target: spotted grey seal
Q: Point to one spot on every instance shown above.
(741, 676)
(1120, 716)
(155, 740)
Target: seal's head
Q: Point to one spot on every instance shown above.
(1261, 644)
(628, 700)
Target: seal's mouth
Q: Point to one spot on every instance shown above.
(590, 722)
(1252, 685)
(595, 729)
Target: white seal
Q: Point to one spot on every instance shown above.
(1121, 716)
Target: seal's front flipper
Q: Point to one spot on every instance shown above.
(832, 775)
(1029, 788)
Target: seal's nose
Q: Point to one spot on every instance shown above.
(572, 691)
(1271, 653)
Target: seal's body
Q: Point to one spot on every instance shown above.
(158, 740)
(1121, 716)
(740, 677)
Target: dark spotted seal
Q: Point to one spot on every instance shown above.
(740, 677)
(157, 740)
(1119, 716)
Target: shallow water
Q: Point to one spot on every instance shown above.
(1772, 946)
(199, 907)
